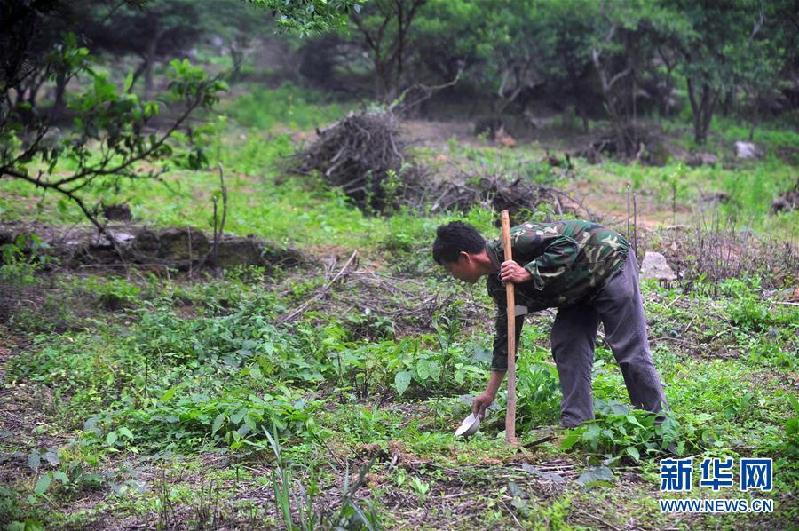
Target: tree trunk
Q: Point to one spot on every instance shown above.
(59, 101)
(33, 91)
(400, 48)
(381, 83)
(728, 103)
(237, 57)
(583, 115)
(614, 106)
(137, 74)
(709, 99)
(149, 60)
(752, 127)
(701, 109)
(149, 63)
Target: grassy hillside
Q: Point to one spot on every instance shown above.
(273, 396)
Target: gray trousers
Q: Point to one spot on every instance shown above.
(620, 307)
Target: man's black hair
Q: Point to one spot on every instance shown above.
(453, 238)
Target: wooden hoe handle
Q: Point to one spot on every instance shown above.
(510, 416)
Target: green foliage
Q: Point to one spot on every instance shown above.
(727, 45)
(108, 140)
(538, 393)
(620, 432)
(22, 258)
(152, 381)
(410, 364)
(287, 106)
(309, 16)
(749, 313)
(787, 449)
(113, 293)
(750, 188)
(295, 497)
(190, 383)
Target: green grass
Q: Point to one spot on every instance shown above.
(288, 106)
(139, 377)
(149, 381)
(750, 189)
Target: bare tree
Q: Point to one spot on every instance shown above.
(384, 27)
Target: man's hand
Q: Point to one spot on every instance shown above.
(513, 272)
(480, 404)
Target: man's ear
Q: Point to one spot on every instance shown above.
(463, 255)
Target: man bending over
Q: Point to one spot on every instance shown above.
(585, 270)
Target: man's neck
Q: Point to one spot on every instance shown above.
(487, 262)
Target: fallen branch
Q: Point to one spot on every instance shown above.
(321, 292)
(400, 105)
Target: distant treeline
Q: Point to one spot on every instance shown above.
(615, 60)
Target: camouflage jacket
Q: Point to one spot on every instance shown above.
(569, 260)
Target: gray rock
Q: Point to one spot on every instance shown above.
(120, 238)
(554, 477)
(747, 150)
(655, 266)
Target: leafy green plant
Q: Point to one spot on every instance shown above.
(620, 432)
(538, 393)
(71, 475)
(282, 489)
(786, 450)
(291, 494)
(452, 367)
(421, 487)
(113, 294)
(22, 258)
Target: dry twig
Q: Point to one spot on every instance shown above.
(321, 292)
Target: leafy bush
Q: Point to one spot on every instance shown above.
(22, 258)
(748, 312)
(211, 379)
(196, 419)
(622, 432)
(538, 393)
(411, 365)
(788, 449)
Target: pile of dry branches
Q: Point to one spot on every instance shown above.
(519, 197)
(363, 294)
(363, 155)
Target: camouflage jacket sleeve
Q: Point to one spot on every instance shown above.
(547, 255)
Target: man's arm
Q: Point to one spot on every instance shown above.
(482, 401)
(556, 260)
(499, 363)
